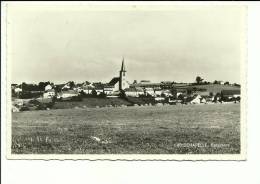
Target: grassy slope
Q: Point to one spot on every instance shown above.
(154, 130)
(91, 102)
(215, 88)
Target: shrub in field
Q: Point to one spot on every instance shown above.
(102, 95)
(76, 98)
(24, 108)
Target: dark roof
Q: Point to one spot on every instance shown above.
(134, 90)
(113, 81)
(69, 92)
(87, 87)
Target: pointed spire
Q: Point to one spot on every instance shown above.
(123, 65)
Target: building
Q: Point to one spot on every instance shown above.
(134, 92)
(17, 90)
(67, 94)
(149, 91)
(197, 100)
(49, 93)
(109, 89)
(117, 83)
(87, 89)
(123, 84)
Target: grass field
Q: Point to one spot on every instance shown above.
(179, 129)
(214, 88)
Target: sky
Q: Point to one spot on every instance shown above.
(60, 44)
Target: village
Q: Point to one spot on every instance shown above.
(120, 92)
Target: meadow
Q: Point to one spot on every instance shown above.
(175, 129)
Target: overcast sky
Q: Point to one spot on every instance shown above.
(62, 44)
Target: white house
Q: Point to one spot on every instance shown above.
(66, 86)
(167, 93)
(17, 90)
(99, 90)
(134, 92)
(67, 94)
(87, 89)
(158, 92)
(198, 99)
(149, 91)
(49, 93)
(109, 90)
(159, 99)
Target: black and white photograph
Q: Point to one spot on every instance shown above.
(126, 82)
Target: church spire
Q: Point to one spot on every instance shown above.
(123, 65)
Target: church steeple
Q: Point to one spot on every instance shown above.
(123, 66)
(122, 77)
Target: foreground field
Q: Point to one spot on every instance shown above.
(181, 129)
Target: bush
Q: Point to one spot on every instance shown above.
(102, 95)
(24, 108)
(122, 94)
(76, 98)
(28, 94)
(41, 107)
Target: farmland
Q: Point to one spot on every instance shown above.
(214, 88)
(176, 129)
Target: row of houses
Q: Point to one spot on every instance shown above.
(143, 88)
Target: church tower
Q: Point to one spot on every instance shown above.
(122, 77)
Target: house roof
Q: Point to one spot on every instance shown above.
(109, 86)
(113, 81)
(69, 92)
(129, 90)
(133, 90)
(87, 88)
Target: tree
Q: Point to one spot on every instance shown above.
(87, 83)
(42, 85)
(94, 92)
(102, 95)
(174, 92)
(226, 83)
(71, 84)
(122, 94)
(199, 79)
(216, 82)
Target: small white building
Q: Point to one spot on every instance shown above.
(67, 94)
(109, 90)
(134, 92)
(159, 99)
(167, 93)
(87, 89)
(196, 100)
(99, 90)
(49, 93)
(149, 91)
(158, 92)
(17, 90)
(66, 86)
